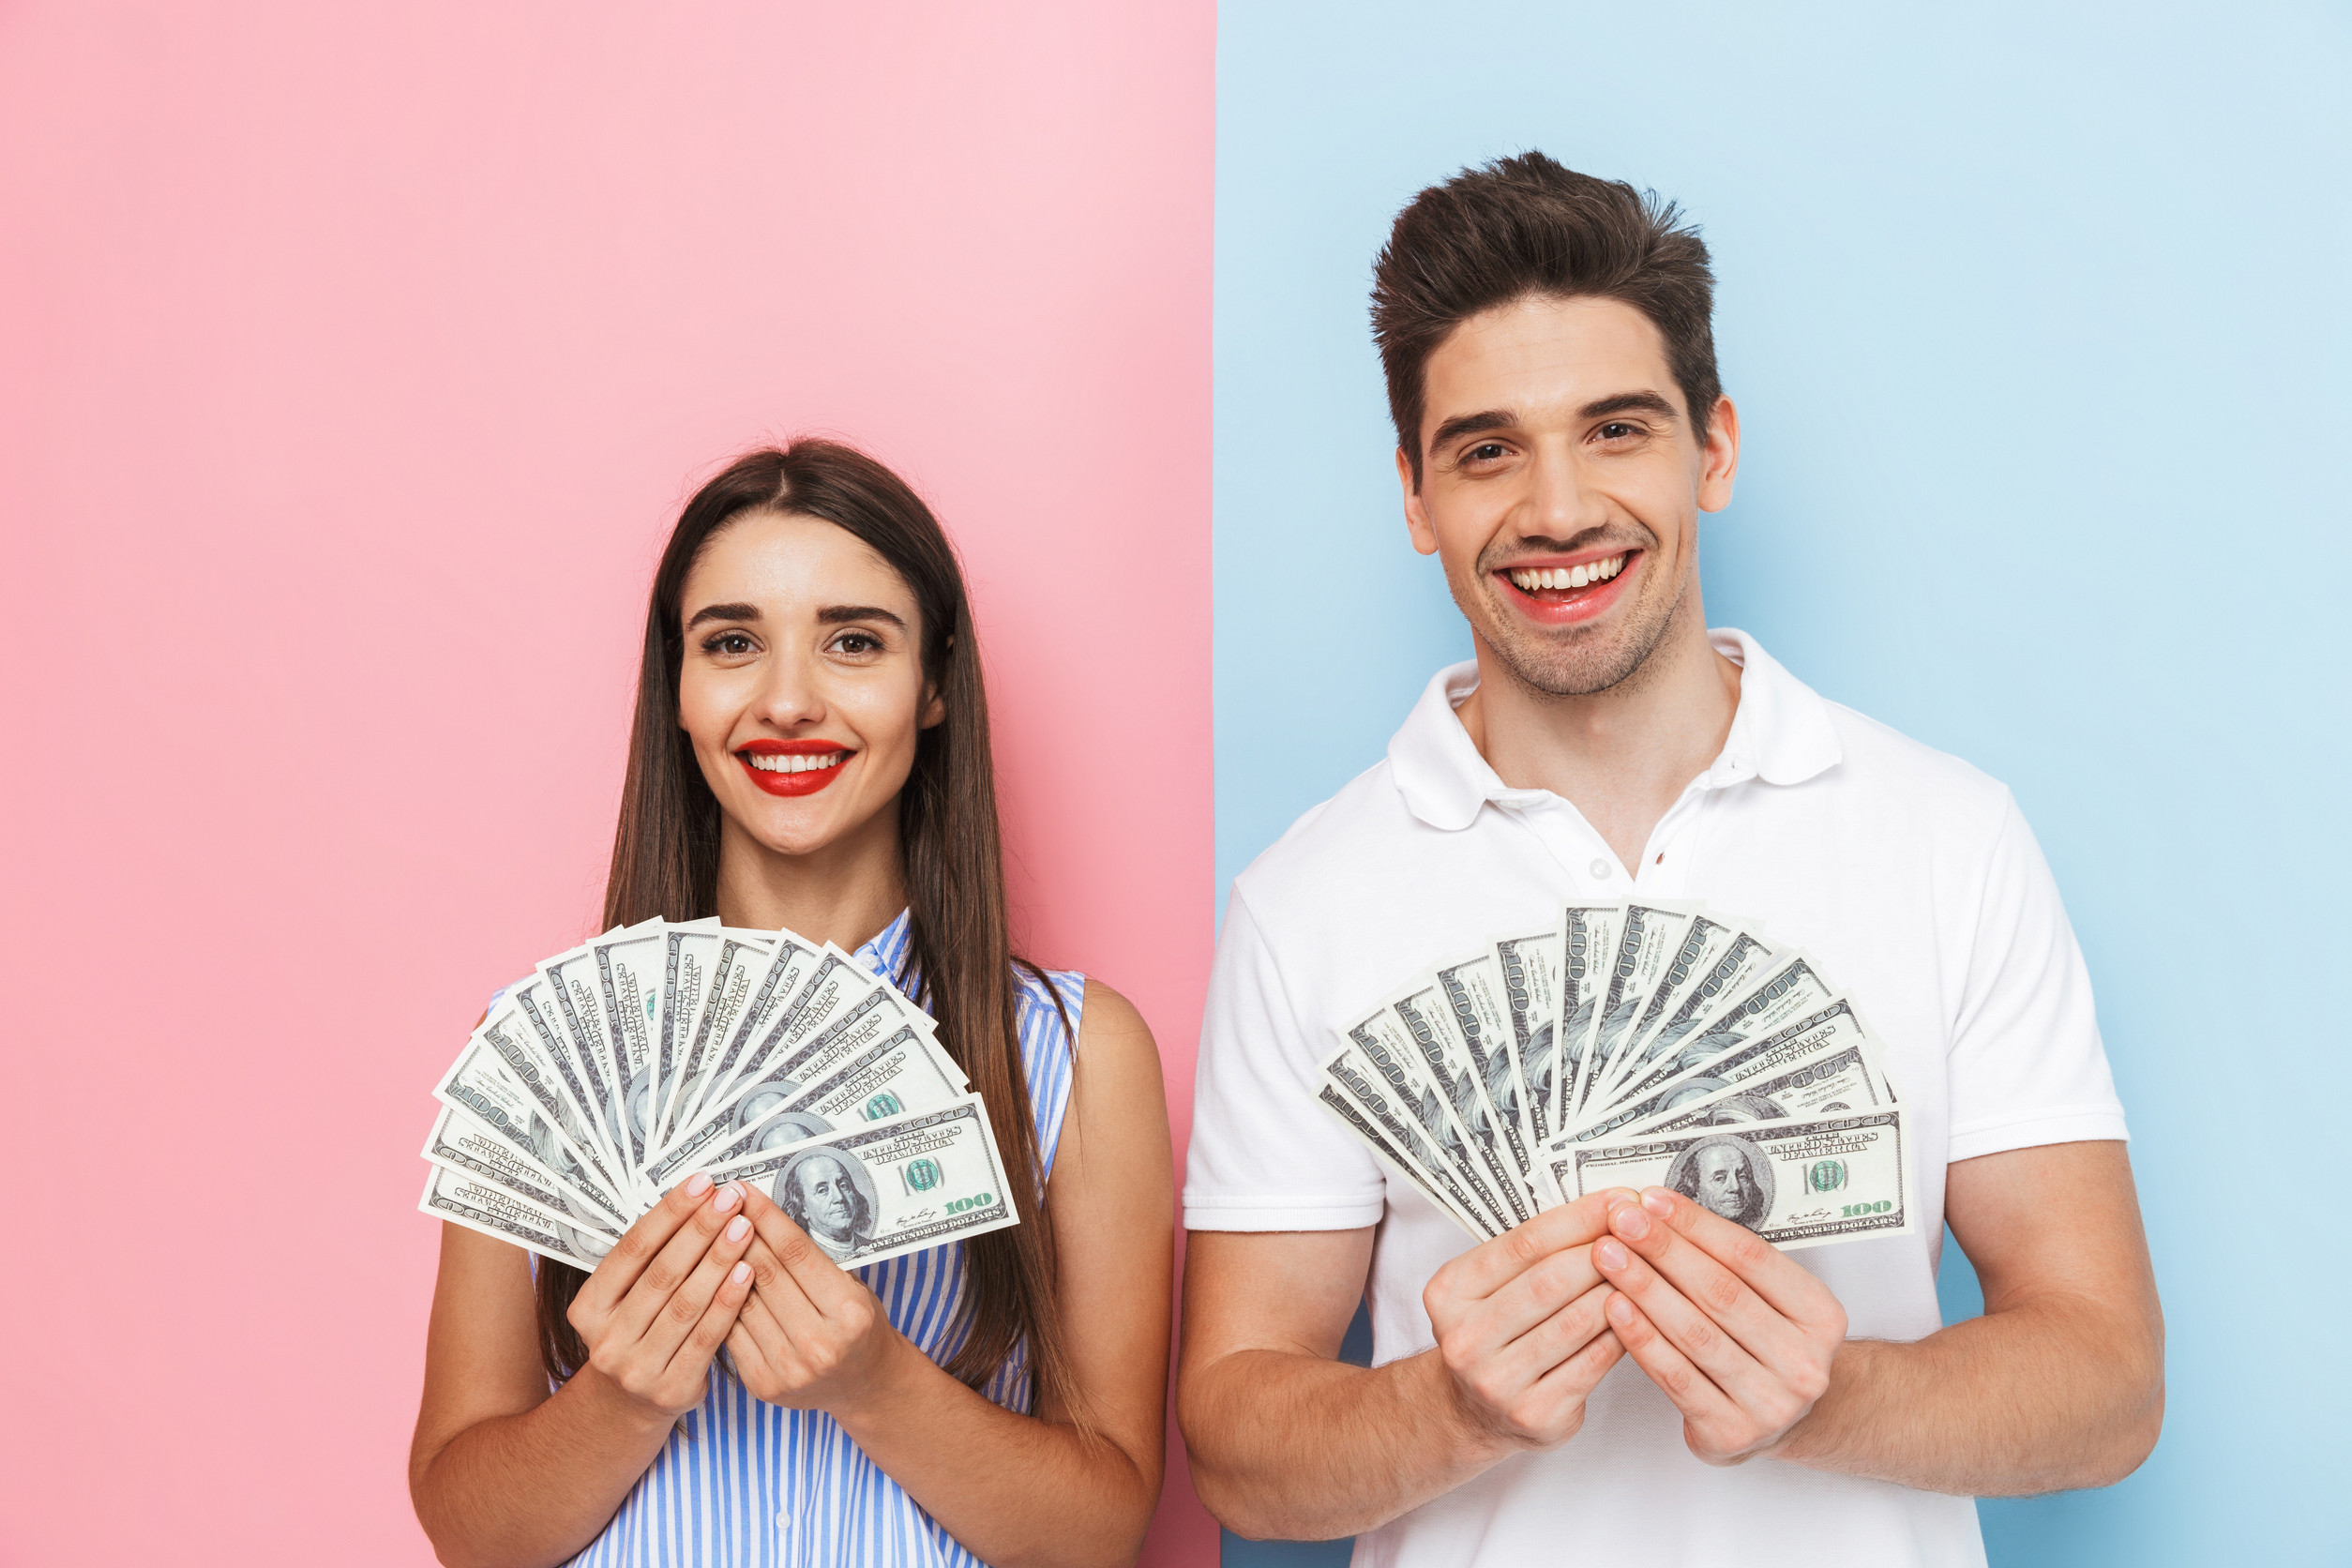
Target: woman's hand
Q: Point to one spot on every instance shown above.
(811, 1338)
(664, 1299)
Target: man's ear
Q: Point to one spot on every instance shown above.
(1416, 514)
(1719, 461)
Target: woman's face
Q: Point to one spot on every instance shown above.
(802, 685)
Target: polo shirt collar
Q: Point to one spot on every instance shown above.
(1781, 733)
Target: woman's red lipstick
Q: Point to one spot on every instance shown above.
(777, 782)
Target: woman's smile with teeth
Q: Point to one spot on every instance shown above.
(784, 761)
(1568, 577)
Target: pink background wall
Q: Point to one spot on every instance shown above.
(355, 365)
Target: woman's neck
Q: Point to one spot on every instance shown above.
(844, 893)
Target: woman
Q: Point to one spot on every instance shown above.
(811, 751)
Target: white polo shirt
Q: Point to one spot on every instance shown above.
(1908, 874)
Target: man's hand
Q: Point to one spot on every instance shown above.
(1521, 1327)
(1738, 1335)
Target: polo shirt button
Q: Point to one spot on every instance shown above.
(1601, 869)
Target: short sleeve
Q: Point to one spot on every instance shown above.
(2025, 1065)
(1265, 1155)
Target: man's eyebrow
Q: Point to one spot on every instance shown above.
(724, 612)
(1627, 403)
(841, 615)
(1471, 423)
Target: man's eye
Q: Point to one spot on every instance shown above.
(1486, 451)
(1616, 430)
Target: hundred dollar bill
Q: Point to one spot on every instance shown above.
(1789, 988)
(891, 1077)
(1795, 1183)
(462, 1143)
(1589, 935)
(1381, 1045)
(1737, 968)
(1527, 967)
(715, 995)
(1703, 941)
(1841, 1083)
(874, 1191)
(1428, 1021)
(571, 1003)
(518, 1107)
(1472, 992)
(465, 1199)
(532, 1024)
(627, 970)
(1347, 1075)
(684, 944)
(1808, 1040)
(779, 978)
(803, 1043)
(1647, 939)
(1337, 1100)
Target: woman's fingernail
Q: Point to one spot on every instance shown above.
(729, 1195)
(1629, 1222)
(743, 1271)
(1658, 1202)
(1620, 1310)
(738, 1231)
(1608, 1255)
(696, 1184)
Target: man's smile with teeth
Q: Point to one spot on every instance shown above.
(784, 761)
(1568, 577)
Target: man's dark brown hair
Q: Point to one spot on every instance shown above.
(1530, 225)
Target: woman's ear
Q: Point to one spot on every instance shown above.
(934, 705)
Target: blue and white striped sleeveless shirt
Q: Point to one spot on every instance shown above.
(749, 1483)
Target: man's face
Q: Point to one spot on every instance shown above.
(1722, 1181)
(824, 1195)
(1562, 483)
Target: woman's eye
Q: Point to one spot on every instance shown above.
(857, 643)
(728, 644)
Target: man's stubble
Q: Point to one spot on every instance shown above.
(1571, 665)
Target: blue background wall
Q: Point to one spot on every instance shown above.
(2036, 320)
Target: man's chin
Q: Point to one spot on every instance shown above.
(1588, 670)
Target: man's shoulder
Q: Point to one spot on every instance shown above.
(1909, 775)
(1330, 842)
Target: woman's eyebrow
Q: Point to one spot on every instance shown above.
(839, 615)
(724, 612)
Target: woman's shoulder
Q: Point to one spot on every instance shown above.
(1036, 986)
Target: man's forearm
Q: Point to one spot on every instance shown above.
(1297, 1448)
(2048, 1395)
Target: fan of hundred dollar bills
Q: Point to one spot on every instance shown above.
(629, 1063)
(1632, 1045)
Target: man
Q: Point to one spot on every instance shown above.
(1634, 1378)
(825, 1200)
(1721, 1177)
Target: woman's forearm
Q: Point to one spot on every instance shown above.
(2053, 1393)
(529, 1490)
(1016, 1490)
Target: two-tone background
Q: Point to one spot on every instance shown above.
(353, 361)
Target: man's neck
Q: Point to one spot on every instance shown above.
(1621, 757)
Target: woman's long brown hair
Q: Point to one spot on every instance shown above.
(959, 956)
